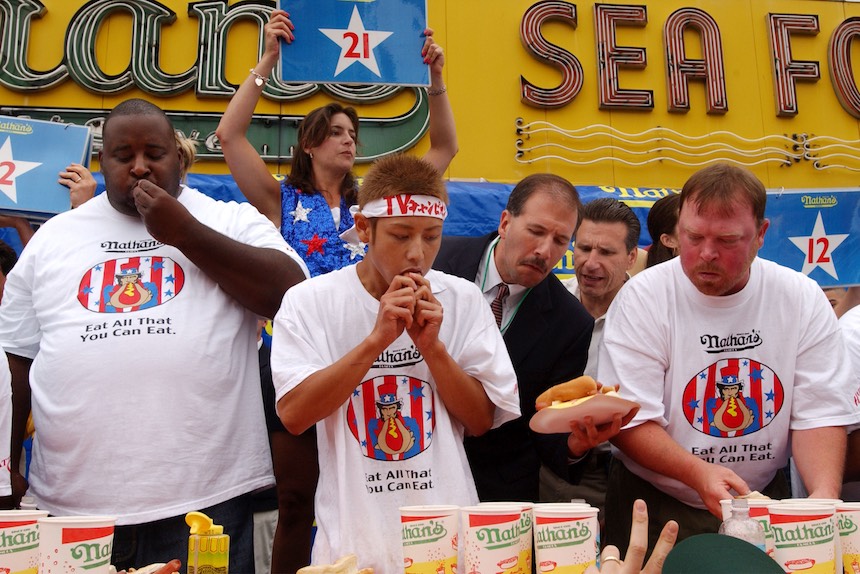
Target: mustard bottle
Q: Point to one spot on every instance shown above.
(208, 546)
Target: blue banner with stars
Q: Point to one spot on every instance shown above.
(816, 232)
(32, 155)
(356, 42)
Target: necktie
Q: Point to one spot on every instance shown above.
(499, 302)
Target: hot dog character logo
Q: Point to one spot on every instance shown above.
(392, 417)
(733, 397)
(730, 412)
(130, 284)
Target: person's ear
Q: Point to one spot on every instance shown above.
(669, 241)
(504, 222)
(362, 227)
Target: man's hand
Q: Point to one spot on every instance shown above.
(165, 218)
(396, 309)
(19, 486)
(714, 483)
(585, 435)
(427, 318)
(81, 183)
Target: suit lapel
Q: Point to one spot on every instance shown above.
(530, 322)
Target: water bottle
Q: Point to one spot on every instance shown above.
(740, 525)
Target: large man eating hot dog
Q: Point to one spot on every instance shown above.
(732, 359)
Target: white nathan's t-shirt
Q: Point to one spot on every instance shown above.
(682, 355)
(145, 379)
(849, 323)
(366, 474)
(5, 424)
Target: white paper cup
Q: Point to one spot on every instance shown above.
(497, 538)
(526, 525)
(758, 511)
(831, 502)
(804, 537)
(429, 535)
(19, 540)
(75, 544)
(848, 522)
(566, 537)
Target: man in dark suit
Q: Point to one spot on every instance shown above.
(547, 332)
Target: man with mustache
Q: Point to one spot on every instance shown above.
(719, 314)
(546, 331)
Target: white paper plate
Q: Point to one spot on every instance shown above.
(557, 418)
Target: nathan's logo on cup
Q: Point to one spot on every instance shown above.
(803, 534)
(845, 524)
(92, 546)
(424, 533)
(17, 536)
(500, 537)
(563, 534)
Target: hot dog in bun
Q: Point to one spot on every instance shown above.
(564, 394)
(346, 565)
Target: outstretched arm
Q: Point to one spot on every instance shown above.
(443, 132)
(256, 277)
(651, 446)
(819, 454)
(20, 369)
(248, 168)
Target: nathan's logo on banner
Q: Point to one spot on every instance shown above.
(816, 201)
(130, 284)
(392, 417)
(733, 397)
(14, 127)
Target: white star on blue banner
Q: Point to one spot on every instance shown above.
(356, 42)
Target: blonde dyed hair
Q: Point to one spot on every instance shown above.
(187, 154)
(397, 174)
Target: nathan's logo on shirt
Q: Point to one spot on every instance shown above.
(733, 397)
(399, 358)
(392, 417)
(735, 342)
(130, 284)
(130, 246)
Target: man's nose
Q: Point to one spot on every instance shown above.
(140, 167)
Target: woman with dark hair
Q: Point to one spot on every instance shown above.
(311, 209)
(663, 228)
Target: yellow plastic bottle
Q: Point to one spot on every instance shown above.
(208, 546)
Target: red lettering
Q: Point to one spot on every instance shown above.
(786, 70)
(540, 48)
(351, 52)
(6, 178)
(680, 69)
(404, 202)
(839, 60)
(611, 57)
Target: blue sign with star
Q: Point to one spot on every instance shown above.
(816, 232)
(356, 42)
(32, 155)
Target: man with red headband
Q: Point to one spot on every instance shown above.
(352, 345)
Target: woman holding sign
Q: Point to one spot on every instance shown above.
(311, 209)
